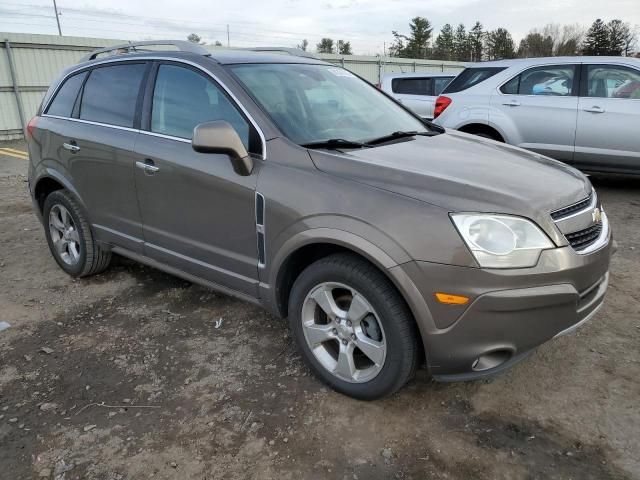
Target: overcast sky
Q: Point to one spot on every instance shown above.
(366, 24)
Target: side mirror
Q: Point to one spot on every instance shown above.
(221, 137)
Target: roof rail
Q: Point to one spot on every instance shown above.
(296, 52)
(181, 45)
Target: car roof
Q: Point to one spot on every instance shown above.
(419, 74)
(553, 60)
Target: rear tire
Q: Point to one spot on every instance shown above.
(369, 322)
(70, 238)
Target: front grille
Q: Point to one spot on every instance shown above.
(583, 238)
(571, 209)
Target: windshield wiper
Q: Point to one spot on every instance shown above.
(397, 135)
(334, 143)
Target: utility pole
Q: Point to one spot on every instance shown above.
(228, 41)
(55, 8)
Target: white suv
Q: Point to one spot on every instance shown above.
(582, 110)
(416, 91)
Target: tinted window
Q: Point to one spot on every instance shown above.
(548, 80)
(411, 86)
(183, 98)
(613, 81)
(470, 77)
(110, 94)
(439, 84)
(511, 87)
(62, 104)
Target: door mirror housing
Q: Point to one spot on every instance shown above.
(221, 137)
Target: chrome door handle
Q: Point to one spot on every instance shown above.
(594, 109)
(512, 103)
(148, 168)
(71, 147)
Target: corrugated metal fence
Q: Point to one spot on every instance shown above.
(29, 63)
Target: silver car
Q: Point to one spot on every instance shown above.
(416, 91)
(581, 110)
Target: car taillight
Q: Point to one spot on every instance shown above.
(442, 103)
(30, 126)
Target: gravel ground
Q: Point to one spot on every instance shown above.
(135, 374)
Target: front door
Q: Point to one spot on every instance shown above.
(540, 104)
(198, 214)
(608, 118)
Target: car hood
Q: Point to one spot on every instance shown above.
(461, 172)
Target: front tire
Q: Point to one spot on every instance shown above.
(70, 238)
(353, 328)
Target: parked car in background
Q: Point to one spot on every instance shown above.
(293, 184)
(416, 91)
(581, 110)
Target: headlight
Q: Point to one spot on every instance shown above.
(501, 241)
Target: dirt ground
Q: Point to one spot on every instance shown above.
(135, 374)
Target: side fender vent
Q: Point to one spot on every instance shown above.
(260, 207)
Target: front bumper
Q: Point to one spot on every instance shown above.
(510, 312)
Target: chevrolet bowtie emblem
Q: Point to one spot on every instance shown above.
(596, 215)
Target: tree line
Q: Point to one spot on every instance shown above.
(457, 44)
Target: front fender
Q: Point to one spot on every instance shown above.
(362, 246)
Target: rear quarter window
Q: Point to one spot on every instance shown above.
(65, 99)
(411, 86)
(111, 93)
(471, 77)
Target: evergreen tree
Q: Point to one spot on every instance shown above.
(444, 43)
(461, 44)
(344, 48)
(416, 44)
(325, 45)
(597, 40)
(476, 42)
(500, 44)
(536, 45)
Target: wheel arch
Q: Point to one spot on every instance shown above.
(476, 128)
(307, 247)
(50, 181)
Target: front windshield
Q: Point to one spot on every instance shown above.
(315, 103)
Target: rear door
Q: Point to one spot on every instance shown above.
(608, 118)
(415, 93)
(198, 214)
(95, 142)
(539, 107)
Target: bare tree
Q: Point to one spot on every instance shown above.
(570, 40)
(630, 40)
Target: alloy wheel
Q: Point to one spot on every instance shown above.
(64, 234)
(343, 332)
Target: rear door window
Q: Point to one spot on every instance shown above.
(65, 99)
(411, 86)
(471, 77)
(111, 93)
(555, 80)
(612, 81)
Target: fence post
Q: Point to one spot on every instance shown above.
(414, 66)
(16, 87)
